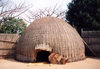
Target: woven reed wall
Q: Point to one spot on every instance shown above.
(7, 43)
(50, 34)
(92, 38)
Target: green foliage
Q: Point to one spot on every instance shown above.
(12, 25)
(84, 14)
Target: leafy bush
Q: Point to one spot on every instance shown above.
(12, 25)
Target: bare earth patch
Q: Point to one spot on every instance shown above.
(89, 63)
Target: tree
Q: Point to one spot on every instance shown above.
(9, 13)
(84, 14)
(12, 10)
(55, 12)
(12, 25)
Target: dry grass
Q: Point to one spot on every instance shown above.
(50, 34)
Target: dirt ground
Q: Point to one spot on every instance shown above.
(88, 63)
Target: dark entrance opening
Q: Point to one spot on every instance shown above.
(42, 56)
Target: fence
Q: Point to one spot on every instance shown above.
(7, 43)
(92, 38)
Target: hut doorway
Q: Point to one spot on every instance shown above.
(42, 56)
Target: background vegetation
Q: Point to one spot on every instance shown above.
(9, 17)
(84, 14)
(12, 25)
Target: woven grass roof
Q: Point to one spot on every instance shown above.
(50, 34)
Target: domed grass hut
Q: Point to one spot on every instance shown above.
(50, 35)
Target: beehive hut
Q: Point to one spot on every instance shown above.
(50, 34)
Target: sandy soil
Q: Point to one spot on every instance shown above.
(89, 63)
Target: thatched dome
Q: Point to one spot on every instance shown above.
(53, 35)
